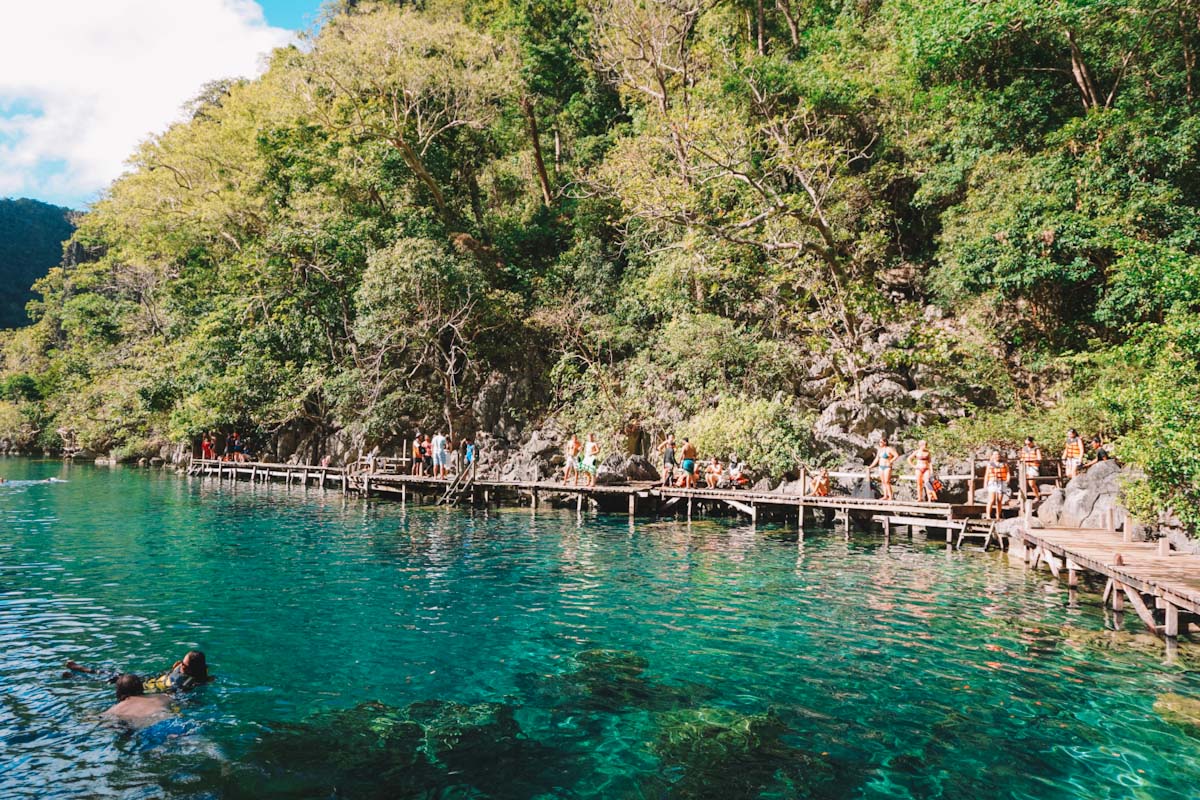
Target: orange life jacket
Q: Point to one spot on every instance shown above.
(998, 473)
(1073, 449)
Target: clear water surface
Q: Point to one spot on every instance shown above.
(364, 649)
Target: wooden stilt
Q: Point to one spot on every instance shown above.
(1171, 626)
(1072, 574)
(1118, 597)
(632, 504)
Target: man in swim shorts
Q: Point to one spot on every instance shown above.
(133, 707)
(689, 453)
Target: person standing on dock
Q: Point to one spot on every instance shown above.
(921, 460)
(439, 455)
(689, 454)
(571, 452)
(426, 456)
(1072, 454)
(206, 448)
(995, 480)
(418, 456)
(885, 457)
(667, 448)
(1031, 459)
(591, 460)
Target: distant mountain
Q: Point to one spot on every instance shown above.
(31, 238)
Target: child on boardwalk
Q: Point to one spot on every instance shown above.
(995, 479)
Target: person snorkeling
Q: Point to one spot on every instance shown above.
(184, 675)
(133, 707)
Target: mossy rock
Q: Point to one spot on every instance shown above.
(713, 752)
(1179, 710)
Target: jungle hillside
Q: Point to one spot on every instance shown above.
(783, 226)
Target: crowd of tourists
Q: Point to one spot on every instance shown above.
(437, 457)
(235, 448)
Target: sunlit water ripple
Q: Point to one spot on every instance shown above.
(592, 657)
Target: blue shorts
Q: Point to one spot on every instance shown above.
(689, 466)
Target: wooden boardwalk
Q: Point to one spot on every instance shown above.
(642, 497)
(262, 472)
(1163, 588)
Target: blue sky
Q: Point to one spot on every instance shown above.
(78, 92)
(294, 14)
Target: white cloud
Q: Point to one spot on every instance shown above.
(83, 81)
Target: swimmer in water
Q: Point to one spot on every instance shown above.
(133, 707)
(184, 675)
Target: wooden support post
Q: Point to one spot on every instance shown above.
(971, 483)
(1112, 520)
(253, 472)
(1072, 574)
(536, 498)
(579, 503)
(403, 494)
(1164, 546)
(1139, 605)
(800, 519)
(1127, 530)
(632, 503)
(689, 513)
(322, 478)
(803, 484)
(1118, 597)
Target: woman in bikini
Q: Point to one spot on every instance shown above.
(885, 457)
(922, 461)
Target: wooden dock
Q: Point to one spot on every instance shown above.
(384, 478)
(1162, 587)
(262, 472)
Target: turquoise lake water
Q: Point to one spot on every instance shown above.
(363, 649)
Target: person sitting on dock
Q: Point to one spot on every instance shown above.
(818, 485)
(591, 460)
(1072, 454)
(921, 460)
(667, 448)
(571, 451)
(714, 473)
(1031, 459)
(689, 453)
(133, 707)
(737, 473)
(885, 457)
(995, 479)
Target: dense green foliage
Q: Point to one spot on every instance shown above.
(662, 211)
(31, 242)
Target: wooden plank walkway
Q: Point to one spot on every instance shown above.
(1141, 572)
(262, 472)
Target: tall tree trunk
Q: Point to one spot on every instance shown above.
(418, 167)
(759, 22)
(785, 8)
(543, 178)
(1083, 76)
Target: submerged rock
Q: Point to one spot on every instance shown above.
(612, 680)
(1179, 710)
(713, 752)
